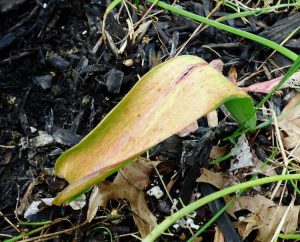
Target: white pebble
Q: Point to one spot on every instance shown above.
(33, 129)
(198, 194)
(190, 223)
(156, 192)
(176, 226)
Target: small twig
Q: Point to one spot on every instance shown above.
(10, 223)
(163, 184)
(52, 234)
(21, 236)
(159, 38)
(198, 30)
(7, 146)
(145, 15)
(285, 159)
(282, 194)
(5, 235)
(125, 235)
(214, 51)
(282, 221)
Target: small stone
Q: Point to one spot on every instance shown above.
(42, 140)
(176, 226)
(197, 195)
(114, 79)
(7, 40)
(65, 137)
(58, 62)
(128, 62)
(43, 81)
(164, 207)
(56, 90)
(191, 224)
(8, 5)
(55, 152)
(32, 129)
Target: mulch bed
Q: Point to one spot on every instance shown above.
(58, 79)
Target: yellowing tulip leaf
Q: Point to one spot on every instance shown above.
(165, 100)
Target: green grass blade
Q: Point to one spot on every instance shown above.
(288, 53)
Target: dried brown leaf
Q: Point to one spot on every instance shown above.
(267, 220)
(129, 184)
(250, 203)
(218, 151)
(265, 217)
(141, 31)
(232, 75)
(219, 237)
(215, 179)
(262, 168)
(291, 125)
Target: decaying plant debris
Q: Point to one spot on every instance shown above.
(59, 78)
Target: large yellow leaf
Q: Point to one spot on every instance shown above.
(163, 102)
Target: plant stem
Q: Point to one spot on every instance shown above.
(34, 224)
(193, 206)
(32, 232)
(22, 236)
(289, 236)
(288, 53)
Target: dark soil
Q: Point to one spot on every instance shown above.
(56, 85)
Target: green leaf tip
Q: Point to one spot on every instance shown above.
(164, 101)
